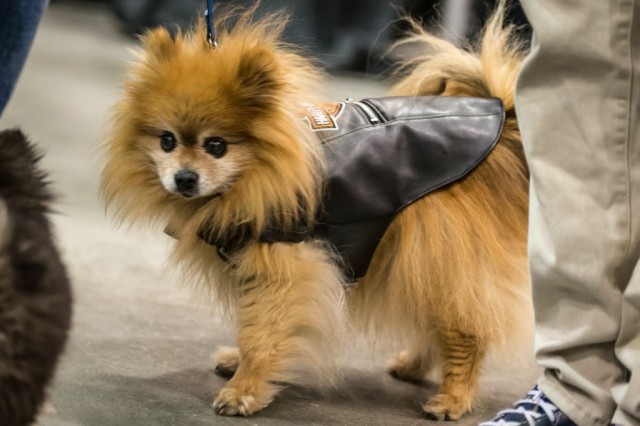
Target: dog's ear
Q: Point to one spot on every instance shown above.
(158, 44)
(259, 77)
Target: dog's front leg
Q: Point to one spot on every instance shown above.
(289, 314)
(251, 387)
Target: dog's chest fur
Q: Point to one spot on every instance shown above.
(382, 155)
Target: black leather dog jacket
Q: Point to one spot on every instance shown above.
(383, 154)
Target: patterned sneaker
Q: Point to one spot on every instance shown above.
(535, 410)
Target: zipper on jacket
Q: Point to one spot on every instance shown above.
(368, 111)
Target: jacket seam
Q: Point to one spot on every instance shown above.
(400, 120)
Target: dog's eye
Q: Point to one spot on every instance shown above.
(167, 141)
(215, 146)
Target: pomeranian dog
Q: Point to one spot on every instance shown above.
(208, 143)
(35, 296)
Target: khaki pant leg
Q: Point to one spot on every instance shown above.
(573, 103)
(627, 394)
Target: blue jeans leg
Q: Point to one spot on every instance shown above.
(18, 23)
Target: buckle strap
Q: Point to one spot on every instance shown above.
(230, 243)
(297, 234)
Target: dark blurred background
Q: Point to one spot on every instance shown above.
(347, 35)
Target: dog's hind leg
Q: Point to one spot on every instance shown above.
(288, 315)
(461, 364)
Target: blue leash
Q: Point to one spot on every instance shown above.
(211, 31)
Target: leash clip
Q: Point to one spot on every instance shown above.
(211, 31)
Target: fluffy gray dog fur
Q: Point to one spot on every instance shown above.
(35, 296)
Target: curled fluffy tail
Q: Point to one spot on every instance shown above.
(490, 69)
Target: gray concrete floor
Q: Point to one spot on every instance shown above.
(140, 348)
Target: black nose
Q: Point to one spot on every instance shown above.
(186, 180)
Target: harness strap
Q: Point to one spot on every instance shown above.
(243, 235)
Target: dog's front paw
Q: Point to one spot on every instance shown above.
(227, 360)
(445, 407)
(232, 402)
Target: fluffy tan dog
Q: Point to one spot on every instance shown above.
(211, 139)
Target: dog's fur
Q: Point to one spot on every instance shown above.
(35, 296)
(449, 276)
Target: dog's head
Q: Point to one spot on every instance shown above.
(213, 131)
